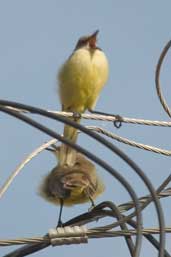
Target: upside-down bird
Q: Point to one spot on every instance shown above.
(66, 185)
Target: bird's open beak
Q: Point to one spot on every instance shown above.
(93, 39)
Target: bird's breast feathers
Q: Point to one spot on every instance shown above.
(81, 79)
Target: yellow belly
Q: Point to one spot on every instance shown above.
(81, 79)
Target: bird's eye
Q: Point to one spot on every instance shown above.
(82, 42)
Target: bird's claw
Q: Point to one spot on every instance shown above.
(60, 224)
(76, 116)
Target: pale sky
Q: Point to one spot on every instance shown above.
(36, 38)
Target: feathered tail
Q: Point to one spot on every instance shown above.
(67, 155)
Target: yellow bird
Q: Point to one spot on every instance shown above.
(81, 79)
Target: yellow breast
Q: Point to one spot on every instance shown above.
(81, 79)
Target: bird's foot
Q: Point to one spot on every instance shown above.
(76, 116)
(60, 224)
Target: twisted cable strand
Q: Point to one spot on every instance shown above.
(90, 234)
(130, 142)
(127, 206)
(103, 117)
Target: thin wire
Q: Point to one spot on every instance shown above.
(102, 117)
(116, 213)
(146, 200)
(130, 142)
(127, 218)
(92, 157)
(157, 79)
(8, 182)
(91, 234)
(27, 250)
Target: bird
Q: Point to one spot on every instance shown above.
(80, 81)
(66, 185)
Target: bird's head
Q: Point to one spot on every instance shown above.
(88, 41)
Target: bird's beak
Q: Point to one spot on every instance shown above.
(93, 39)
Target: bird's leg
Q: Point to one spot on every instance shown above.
(92, 204)
(60, 224)
(117, 123)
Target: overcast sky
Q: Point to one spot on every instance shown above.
(36, 37)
